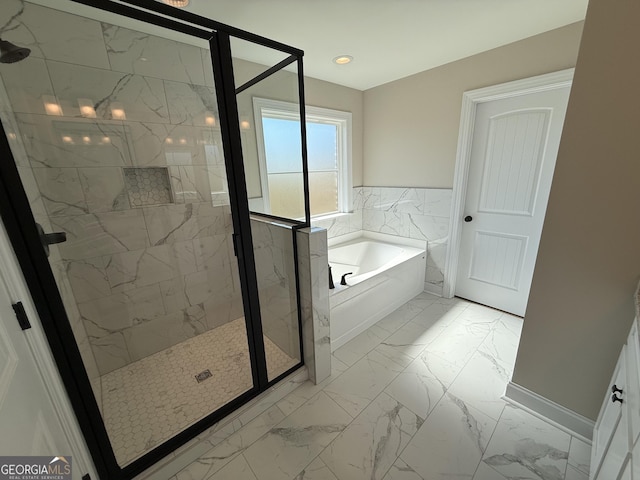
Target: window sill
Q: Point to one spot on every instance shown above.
(330, 216)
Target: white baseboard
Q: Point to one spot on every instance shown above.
(551, 412)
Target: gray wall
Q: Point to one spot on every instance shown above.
(580, 309)
(411, 125)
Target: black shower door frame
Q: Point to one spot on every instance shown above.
(16, 215)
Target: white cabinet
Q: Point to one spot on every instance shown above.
(615, 453)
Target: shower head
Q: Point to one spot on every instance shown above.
(10, 53)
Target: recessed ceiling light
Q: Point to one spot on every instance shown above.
(343, 59)
(177, 3)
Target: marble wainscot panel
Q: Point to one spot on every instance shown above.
(314, 294)
(418, 213)
(275, 271)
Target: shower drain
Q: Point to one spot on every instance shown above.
(202, 376)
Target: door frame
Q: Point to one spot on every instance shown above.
(470, 101)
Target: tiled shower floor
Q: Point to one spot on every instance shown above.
(149, 401)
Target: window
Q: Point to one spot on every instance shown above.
(328, 155)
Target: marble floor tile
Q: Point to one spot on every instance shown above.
(482, 383)
(524, 446)
(423, 383)
(485, 472)
(451, 441)
(236, 469)
(457, 343)
(575, 474)
(410, 339)
(439, 313)
(218, 457)
(503, 339)
(401, 471)
(316, 470)
(358, 386)
(354, 424)
(399, 317)
(580, 455)
(371, 443)
(359, 346)
(292, 444)
(423, 300)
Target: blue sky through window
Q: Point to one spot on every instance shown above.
(282, 145)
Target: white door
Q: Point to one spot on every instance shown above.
(513, 153)
(29, 424)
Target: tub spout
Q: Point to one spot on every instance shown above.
(331, 285)
(343, 281)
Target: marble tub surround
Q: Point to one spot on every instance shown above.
(314, 296)
(418, 213)
(389, 417)
(273, 251)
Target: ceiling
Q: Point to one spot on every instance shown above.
(389, 39)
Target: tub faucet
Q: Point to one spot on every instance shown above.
(331, 285)
(343, 281)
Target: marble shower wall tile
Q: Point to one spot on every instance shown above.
(136, 52)
(53, 34)
(138, 268)
(156, 144)
(113, 314)
(61, 191)
(142, 98)
(174, 223)
(27, 83)
(53, 142)
(190, 104)
(140, 279)
(103, 189)
(92, 235)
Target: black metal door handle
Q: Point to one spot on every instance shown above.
(50, 238)
(468, 218)
(615, 398)
(615, 389)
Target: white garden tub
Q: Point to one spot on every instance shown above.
(387, 271)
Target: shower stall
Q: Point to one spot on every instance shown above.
(130, 190)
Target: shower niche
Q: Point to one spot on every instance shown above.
(170, 304)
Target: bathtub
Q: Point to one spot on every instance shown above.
(387, 271)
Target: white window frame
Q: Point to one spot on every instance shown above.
(291, 111)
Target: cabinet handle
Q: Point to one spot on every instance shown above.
(615, 389)
(615, 398)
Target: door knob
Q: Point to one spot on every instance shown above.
(615, 389)
(468, 218)
(615, 398)
(50, 238)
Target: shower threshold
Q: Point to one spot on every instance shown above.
(149, 401)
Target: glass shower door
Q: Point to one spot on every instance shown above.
(276, 192)
(116, 138)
